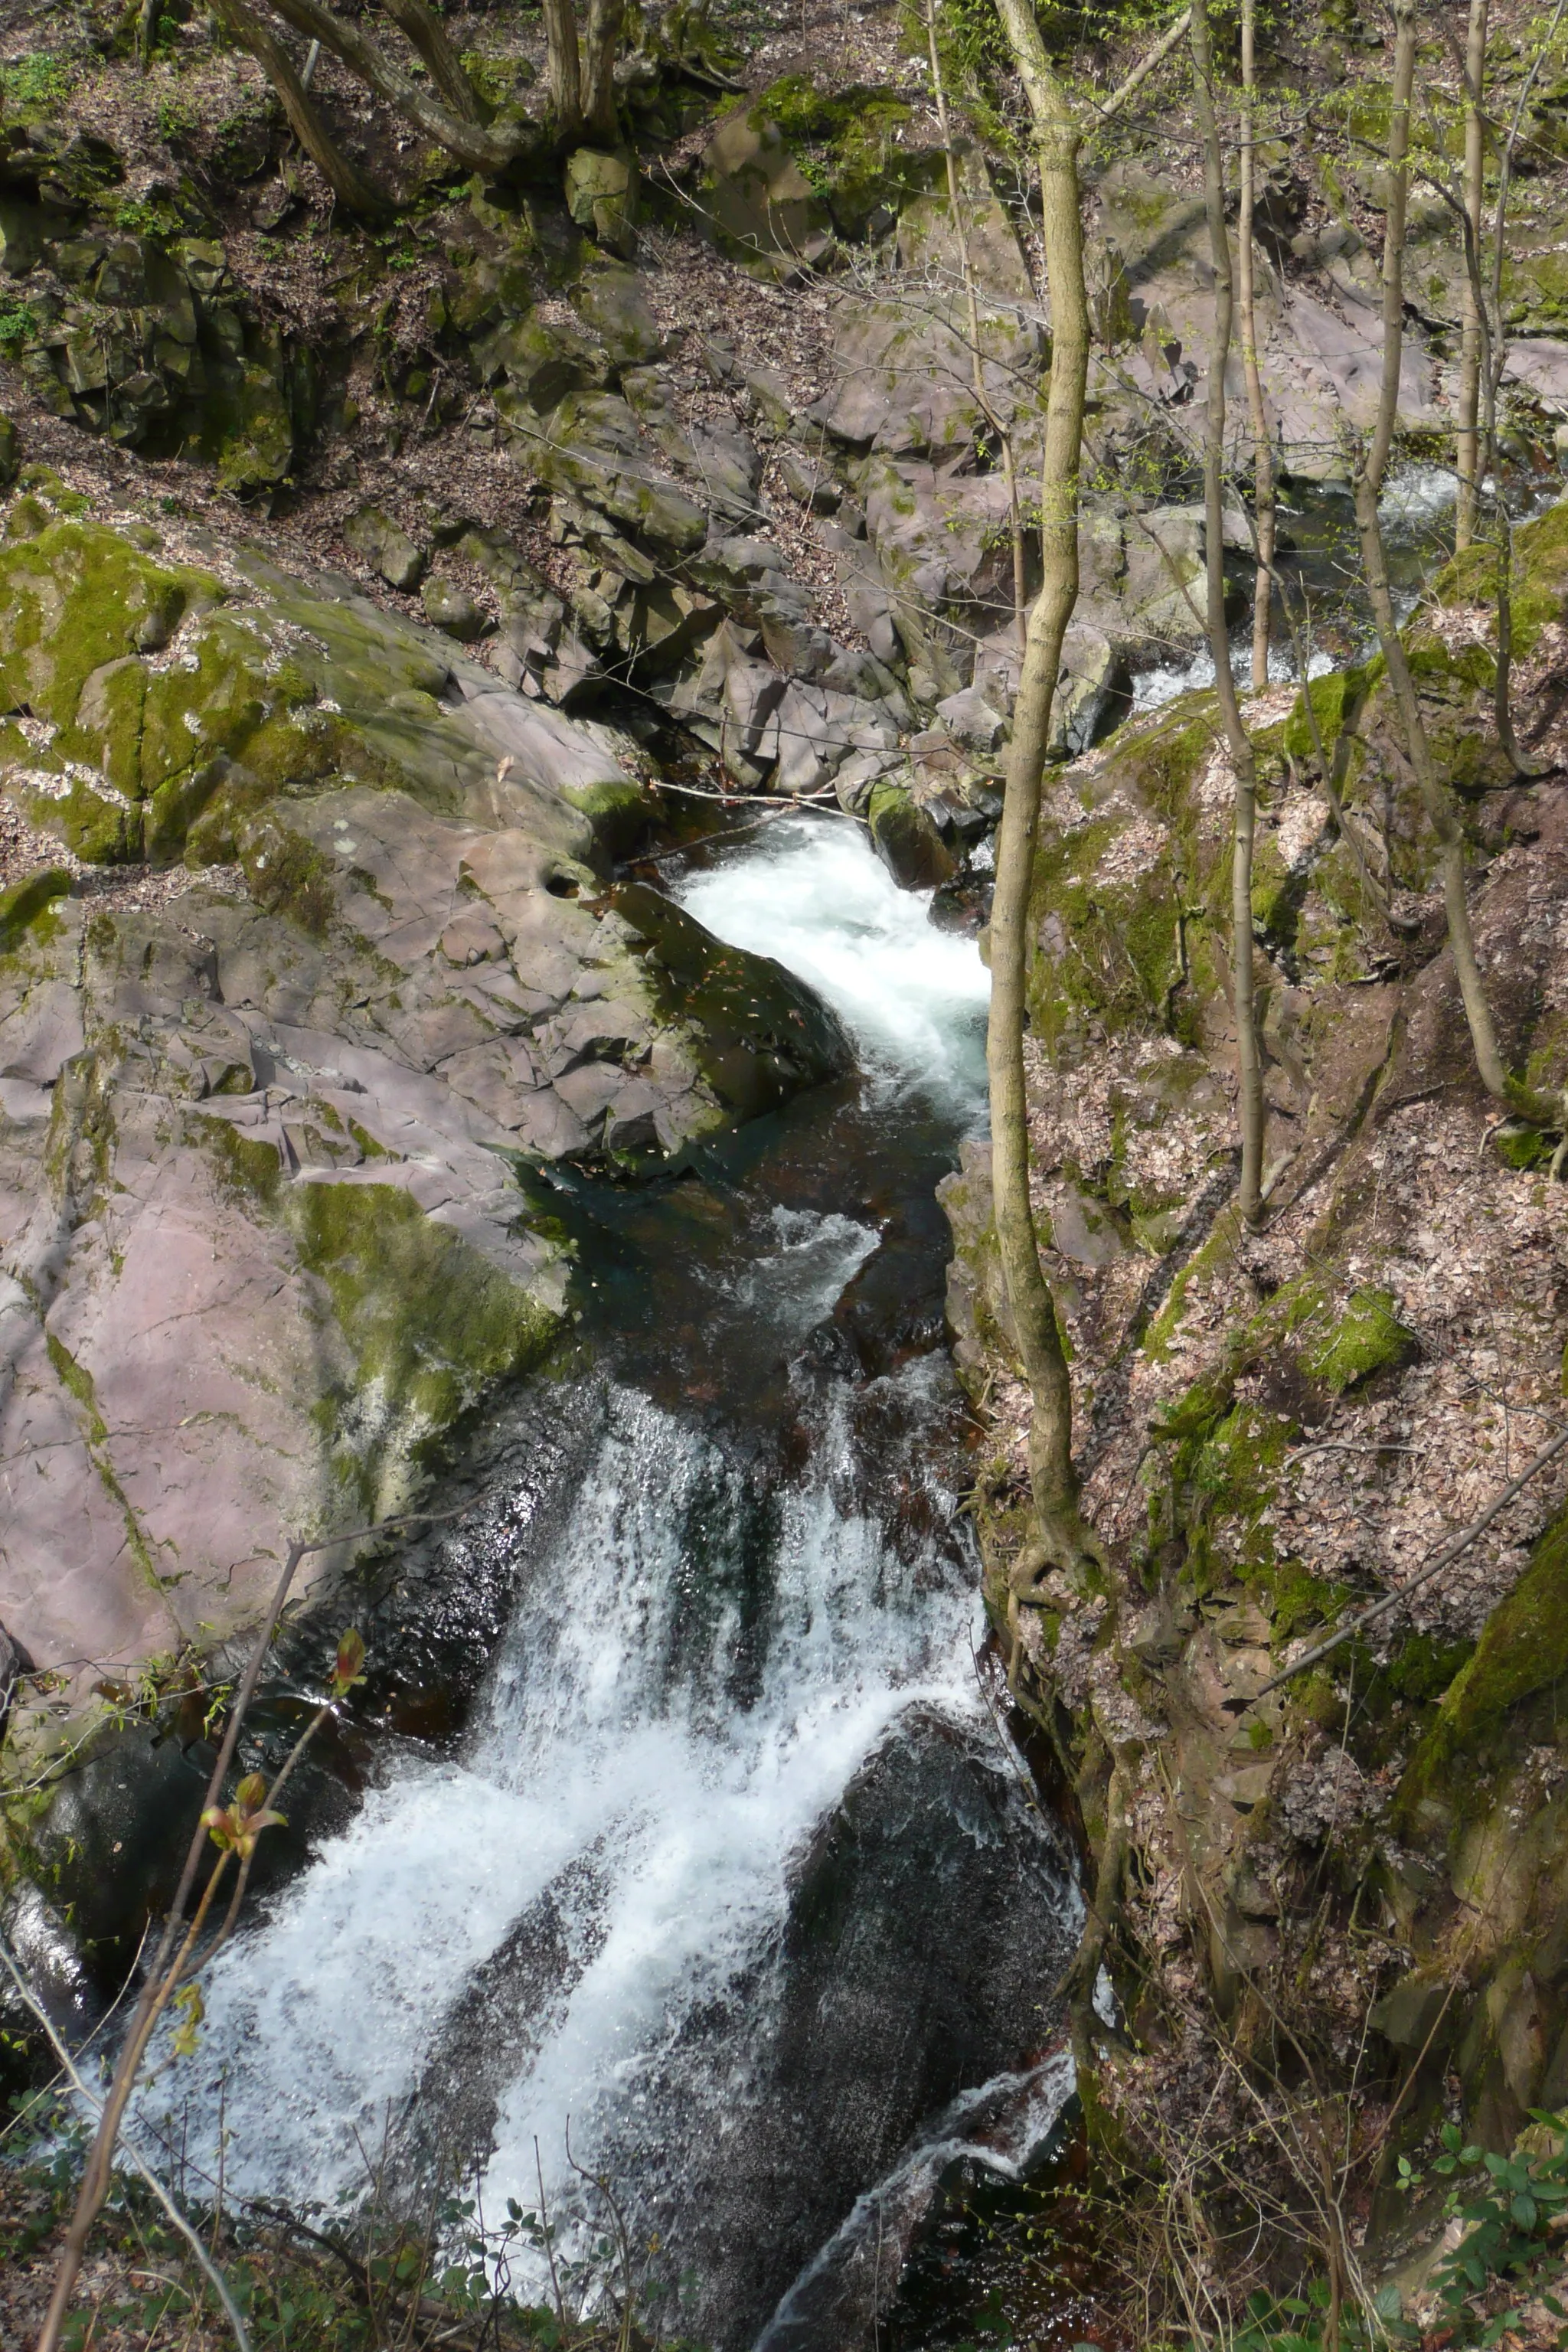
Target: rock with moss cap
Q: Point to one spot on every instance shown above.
(306, 1103)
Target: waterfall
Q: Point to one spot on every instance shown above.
(733, 1879)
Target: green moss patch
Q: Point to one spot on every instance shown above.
(25, 901)
(430, 1323)
(847, 145)
(1523, 1653)
(1335, 700)
(1367, 1338)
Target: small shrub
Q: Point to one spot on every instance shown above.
(177, 120)
(37, 84)
(16, 326)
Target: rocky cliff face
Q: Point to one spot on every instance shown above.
(269, 1120)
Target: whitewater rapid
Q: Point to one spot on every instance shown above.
(584, 1923)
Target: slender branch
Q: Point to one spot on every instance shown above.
(1467, 441)
(1262, 454)
(345, 179)
(1369, 480)
(1243, 758)
(205, 2262)
(162, 1977)
(976, 358)
(425, 33)
(1140, 74)
(470, 142)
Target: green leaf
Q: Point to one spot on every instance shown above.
(1522, 2207)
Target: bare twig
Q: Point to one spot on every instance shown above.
(208, 2268)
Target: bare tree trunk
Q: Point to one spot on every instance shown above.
(1262, 455)
(427, 35)
(346, 181)
(1467, 440)
(461, 136)
(599, 115)
(564, 78)
(977, 364)
(1243, 765)
(1368, 490)
(1065, 1541)
(1492, 355)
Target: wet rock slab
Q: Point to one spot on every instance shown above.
(266, 1212)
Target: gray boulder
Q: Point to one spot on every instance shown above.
(387, 548)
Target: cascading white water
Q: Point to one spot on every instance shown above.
(812, 894)
(580, 1925)
(608, 1731)
(1417, 511)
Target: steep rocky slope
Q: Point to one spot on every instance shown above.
(267, 1137)
(1279, 1428)
(371, 600)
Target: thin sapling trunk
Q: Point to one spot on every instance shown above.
(1370, 477)
(1064, 1542)
(599, 116)
(977, 365)
(1243, 760)
(1246, 307)
(1467, 438)
(563, 69)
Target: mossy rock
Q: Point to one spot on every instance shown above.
(22, 902)
(1368, 1337)
(1521, 1656)
(431, 1324)
(1225, 1466)
(263, 698)
(1540, 579)
(1336, 698)
(253, 427)
(847, 145)
(619, 811)
(906, 840)
(1131, 946)
(758, 1034)
(75, 599)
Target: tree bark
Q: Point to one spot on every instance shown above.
(600, 119)
(427, 33)
(1063, 1539)
(468, 140)
(1244, 764)
(1467, 439)
(1369, 484)
(564, 78)
(1493, 358)
(346, 181)
(976, 358)
(1262, 454)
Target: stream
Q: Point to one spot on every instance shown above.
(731, 1888)
(1324, 601)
